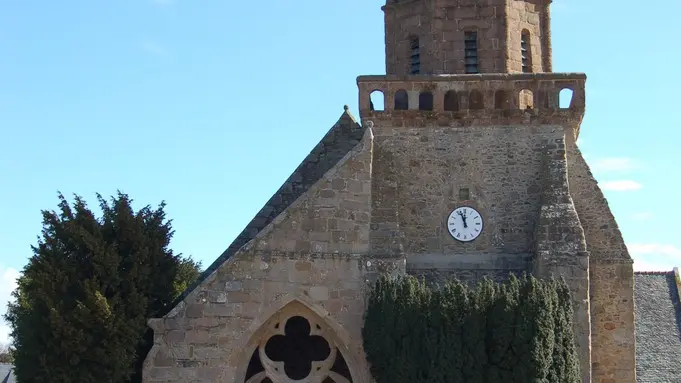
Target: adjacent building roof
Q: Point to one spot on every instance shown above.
(337, 142)
(658, 327)
(7, 373)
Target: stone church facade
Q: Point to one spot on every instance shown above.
(473, 119)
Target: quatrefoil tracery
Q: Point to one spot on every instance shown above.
(297, 350)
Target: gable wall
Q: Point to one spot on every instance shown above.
(315, 250)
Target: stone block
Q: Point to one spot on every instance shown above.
(194, 310)
(319, 293)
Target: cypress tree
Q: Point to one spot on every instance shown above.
(500, 333)
(516, 332)
(82, 302)
(475, 360)
(543, 341)
(435, 329)
(565, 366)
(381, 343)
(456, 308)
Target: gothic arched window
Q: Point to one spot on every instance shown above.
(297, 348)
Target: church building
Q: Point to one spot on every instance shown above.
(468, 168)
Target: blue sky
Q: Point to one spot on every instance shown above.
(209, 105)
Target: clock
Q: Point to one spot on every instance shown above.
(464, 224)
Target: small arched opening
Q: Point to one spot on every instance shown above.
(377, 101)
(502, 100)
(475, 100)
(565, 98)
(425, 101)
(401, 100)
(526, 99)
(451, 101)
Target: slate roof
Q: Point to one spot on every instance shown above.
(6, 373)
(337, 142)
(658, 327)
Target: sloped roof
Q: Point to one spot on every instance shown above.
(7, 373)
(658, 327)
(338, 141)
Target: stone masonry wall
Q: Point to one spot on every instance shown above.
(613, 338)
(313, 255)
(470, 268)
(561, 247)
(419, 174)
(530, 16)
(613, 342)
(440, 26)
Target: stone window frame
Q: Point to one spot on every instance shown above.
(318, 318)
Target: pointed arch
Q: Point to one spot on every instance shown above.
(340, 362)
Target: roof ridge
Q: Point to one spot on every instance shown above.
(653, 272)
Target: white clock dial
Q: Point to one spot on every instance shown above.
(464, 224)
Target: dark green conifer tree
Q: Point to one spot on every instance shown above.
(381, 341)
(516, 332)
(565, 366)
(455, 306)
(475, 360)
(500, 332)
(82, 302)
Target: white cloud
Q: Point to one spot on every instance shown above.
(654, 256)
(621, 185)
(8, 282)
(614, 164)
(642, 216)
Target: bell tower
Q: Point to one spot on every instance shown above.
(467, 36)
(473, 117)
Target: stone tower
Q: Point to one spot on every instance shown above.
(472, 118)
(474, 36)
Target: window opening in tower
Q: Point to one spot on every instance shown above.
(471, 52)
(525, 52)
(415, 56)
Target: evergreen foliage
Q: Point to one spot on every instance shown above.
(518, 331)
(80, 309)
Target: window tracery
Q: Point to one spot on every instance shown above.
(297, 349)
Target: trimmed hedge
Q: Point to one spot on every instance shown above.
(517, 331)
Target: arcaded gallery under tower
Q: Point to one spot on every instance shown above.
(468, 168)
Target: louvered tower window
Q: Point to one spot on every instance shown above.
(471, 52)
(415, 56)
(525, 52)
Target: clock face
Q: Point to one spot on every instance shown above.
(464, 224)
